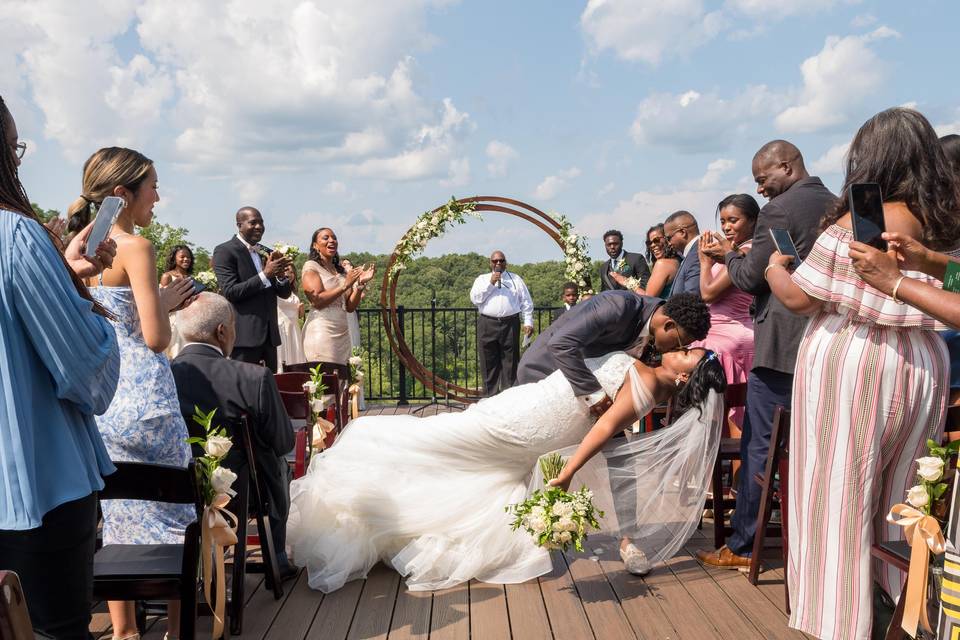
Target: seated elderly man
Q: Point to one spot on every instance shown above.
(207, 379)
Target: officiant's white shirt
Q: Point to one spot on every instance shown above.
(511, 298)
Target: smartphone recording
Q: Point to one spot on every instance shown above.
(866, 213)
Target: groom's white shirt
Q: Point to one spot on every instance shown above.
(593, 398)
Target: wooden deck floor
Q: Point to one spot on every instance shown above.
(585, 596)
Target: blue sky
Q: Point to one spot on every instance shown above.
(360, 115)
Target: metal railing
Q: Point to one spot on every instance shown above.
(443, 339)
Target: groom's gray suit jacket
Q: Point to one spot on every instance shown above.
(609, 321)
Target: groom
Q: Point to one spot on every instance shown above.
(613, 321)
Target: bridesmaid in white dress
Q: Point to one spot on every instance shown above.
(179, 266)
(289, 312)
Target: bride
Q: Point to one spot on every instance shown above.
(427, 495)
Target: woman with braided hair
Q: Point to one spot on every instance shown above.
(59, 365)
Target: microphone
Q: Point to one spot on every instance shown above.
(498, 269)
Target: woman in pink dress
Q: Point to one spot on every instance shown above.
(731, 327)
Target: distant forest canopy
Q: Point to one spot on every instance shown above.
(449, 277)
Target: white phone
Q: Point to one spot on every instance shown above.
(110, 208)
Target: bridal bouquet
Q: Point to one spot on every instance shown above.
(288, 250)
(554, 518)
(208, 279)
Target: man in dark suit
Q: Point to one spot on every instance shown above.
(797, 201)
(205, 378)
(569, 296)
(682, 233)
(629, 265)
(251, 277)
(611, 321)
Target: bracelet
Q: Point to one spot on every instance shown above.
(772, 266)
(896, 287)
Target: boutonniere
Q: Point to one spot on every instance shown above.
(622, 266)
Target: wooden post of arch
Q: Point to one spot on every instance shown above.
(388, 296)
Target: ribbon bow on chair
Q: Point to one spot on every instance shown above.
(354, 391)
(923, 534)
(216, 533)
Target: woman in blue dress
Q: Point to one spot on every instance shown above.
(143, 423)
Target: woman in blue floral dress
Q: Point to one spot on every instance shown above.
(143, 423)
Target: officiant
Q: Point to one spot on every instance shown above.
(501, 297)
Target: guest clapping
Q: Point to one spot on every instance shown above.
(333, 292)
(143, 423)
(871, 373)
(253, 283)
(731, 327)
(61, 364)
(179, 266)
(664, 263)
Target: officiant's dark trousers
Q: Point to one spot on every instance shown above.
(498, 340)
(766, 388)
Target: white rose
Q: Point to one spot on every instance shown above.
(310, 387)
(217, 446)
(565, 536)
(317, 405)
(435, 219)
(537, 525)
(565, 524)
(359, 376)
(222, 479)
(930, 468)
(538, 512)
(562, 509)
(578, 266)
(573, 237)
(356, 361)
(422, 224)
(917, 496)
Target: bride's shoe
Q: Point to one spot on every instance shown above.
(634, 560)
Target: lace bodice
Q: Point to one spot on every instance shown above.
(547, 415)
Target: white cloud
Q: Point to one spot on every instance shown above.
(832, 160)
(335, 188)
(863, 20)
(605, 189)
(836, 82)
(553, 185)
(500, 155)
(645, 31)
(639, 30)
(716, 170)
(947, 128)
(250, 190)
(695, 122)
(238, 88)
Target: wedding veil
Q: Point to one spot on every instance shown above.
(653, 488)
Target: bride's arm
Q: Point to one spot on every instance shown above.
(619, 416)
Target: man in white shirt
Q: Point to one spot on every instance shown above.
(501, 297)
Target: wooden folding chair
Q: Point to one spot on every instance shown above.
(296, 402)
(729, 450)
(14, 616)
(153, 571)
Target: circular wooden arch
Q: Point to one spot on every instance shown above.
(388, 296)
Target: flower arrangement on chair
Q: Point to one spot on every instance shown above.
(357, 374)
(317, 392)
(216, 531)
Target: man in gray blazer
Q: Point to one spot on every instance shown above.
(682, 233)
(797, 203)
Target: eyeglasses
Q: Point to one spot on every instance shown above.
(678, 230)
(495, 260)
(20, 148)
(680, 346)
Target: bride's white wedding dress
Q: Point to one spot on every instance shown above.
(427, 495)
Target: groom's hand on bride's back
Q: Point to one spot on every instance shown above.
(600, 407)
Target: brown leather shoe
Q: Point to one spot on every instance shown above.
(724, 558)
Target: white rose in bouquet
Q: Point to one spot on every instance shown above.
(537, 524)
(318, 405)
(917, 496)
(310, 387)
(222, 479)
(565, 524)
(930, 468)
(565, 537)
(562, 509)
(287, 250)
(217, 446)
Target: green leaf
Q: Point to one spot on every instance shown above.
(939, 490)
